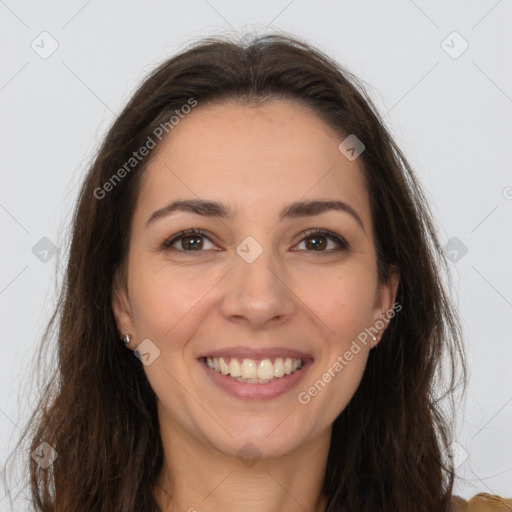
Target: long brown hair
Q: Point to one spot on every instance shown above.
(98, 411)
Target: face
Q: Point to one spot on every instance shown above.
(272, 296)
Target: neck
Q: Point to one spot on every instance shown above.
(196, 477)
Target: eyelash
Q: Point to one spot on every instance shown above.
(340, 241)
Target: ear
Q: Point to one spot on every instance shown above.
(121, 305)
(384, 306)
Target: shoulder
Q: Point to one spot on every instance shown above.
(482, 502)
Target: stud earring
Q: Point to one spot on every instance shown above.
(126, 339)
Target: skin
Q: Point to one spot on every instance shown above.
(256, 159)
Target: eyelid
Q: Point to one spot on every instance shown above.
(169, 242)
(340, 241)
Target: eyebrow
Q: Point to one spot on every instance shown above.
(298, 209)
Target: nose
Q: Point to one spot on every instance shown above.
(257, 293)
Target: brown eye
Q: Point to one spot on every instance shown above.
(318, 241)
(191, 240)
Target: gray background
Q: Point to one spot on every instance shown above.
(449, 109)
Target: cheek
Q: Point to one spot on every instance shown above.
(343, 301)
(163, 296)
(343, 304)
(352, 343)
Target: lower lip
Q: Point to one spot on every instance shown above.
(249, 391)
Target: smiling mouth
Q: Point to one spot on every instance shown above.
(255, 371)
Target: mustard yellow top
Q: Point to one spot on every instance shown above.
(482, 502)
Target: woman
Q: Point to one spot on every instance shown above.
(253, 313)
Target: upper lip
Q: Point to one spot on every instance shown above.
(256, 353)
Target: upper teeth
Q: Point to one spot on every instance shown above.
(254, 369)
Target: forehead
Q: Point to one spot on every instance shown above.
(247, 155)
